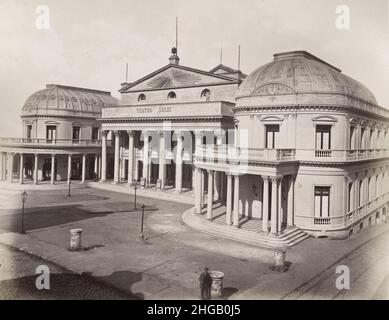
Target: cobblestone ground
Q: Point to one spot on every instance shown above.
(17, 280)
(174, 252)
(168, 264)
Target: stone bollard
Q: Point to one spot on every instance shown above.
(279, 261)
(217, 283)
(75, 240)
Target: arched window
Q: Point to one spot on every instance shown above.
(206, 93)
(141, 97)
(171, 95)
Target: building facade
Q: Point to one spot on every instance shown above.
(161, 120)
(310, 152)
(61, 136)
(296, 144)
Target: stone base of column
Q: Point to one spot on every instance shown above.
(103, 180)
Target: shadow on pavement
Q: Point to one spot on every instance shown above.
(66, 286)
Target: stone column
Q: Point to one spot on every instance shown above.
(131, 135)
(145, 173)
(198, 190)
(52, 178)
(11, 166)
(83, 174)
(21, 168)
(229, 200)
(265, 199)
(162, 169)
(103, 156)
(96, 166)
(179, 161)
(274, 200)
(117, 156)
(69, 167)
(235, 219)
(36, 168)
(202, 187)
(279, 206)
(291, 182)
(210, 194)
(217, 188)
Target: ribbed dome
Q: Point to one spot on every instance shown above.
(299, 72)
(58, 100)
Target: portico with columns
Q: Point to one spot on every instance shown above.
(163, 118)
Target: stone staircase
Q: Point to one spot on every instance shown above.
(288, 238)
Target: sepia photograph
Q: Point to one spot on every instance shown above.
(213, 151)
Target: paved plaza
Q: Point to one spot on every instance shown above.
(168, 264)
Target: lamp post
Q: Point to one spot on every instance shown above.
(24, 196)
(142, 236)
(70, 181)
(135, 188)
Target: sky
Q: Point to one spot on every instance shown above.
(89, 42)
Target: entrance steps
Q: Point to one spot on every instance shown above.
(249, 231)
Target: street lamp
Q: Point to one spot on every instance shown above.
(142, 236)
(24, 196)
(135, 188)
(70, 181)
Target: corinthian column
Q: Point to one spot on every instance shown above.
(210, 195)
(236, 201)
(117, 156)
(145, 173)
(274, 204)
(131, 135)
(162, 170)
(103, 156)
(180, 137)
(265, 212)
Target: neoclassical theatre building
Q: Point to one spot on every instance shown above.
(295, 146)
(163, 117)
(311, 152)
(61, 137)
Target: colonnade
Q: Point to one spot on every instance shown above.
(271, 210)
(133, 173)
(7, 162)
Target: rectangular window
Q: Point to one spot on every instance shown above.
(76, 133)
(272, 136)
(352, 138)
(95, 133)
(323, 137)
(51, 133)
(363, 138)
(29, 131)
(322, 202)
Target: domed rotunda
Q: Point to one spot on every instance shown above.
(299, 77)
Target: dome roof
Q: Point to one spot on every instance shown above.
(58, 100)
(299, 72)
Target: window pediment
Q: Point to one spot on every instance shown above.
(325, 119)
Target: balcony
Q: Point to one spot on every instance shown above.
(366, 209)
(233, 154)
(49, 143)
(340, 155)
(225, 154)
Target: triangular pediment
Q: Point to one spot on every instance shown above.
(176, 76)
